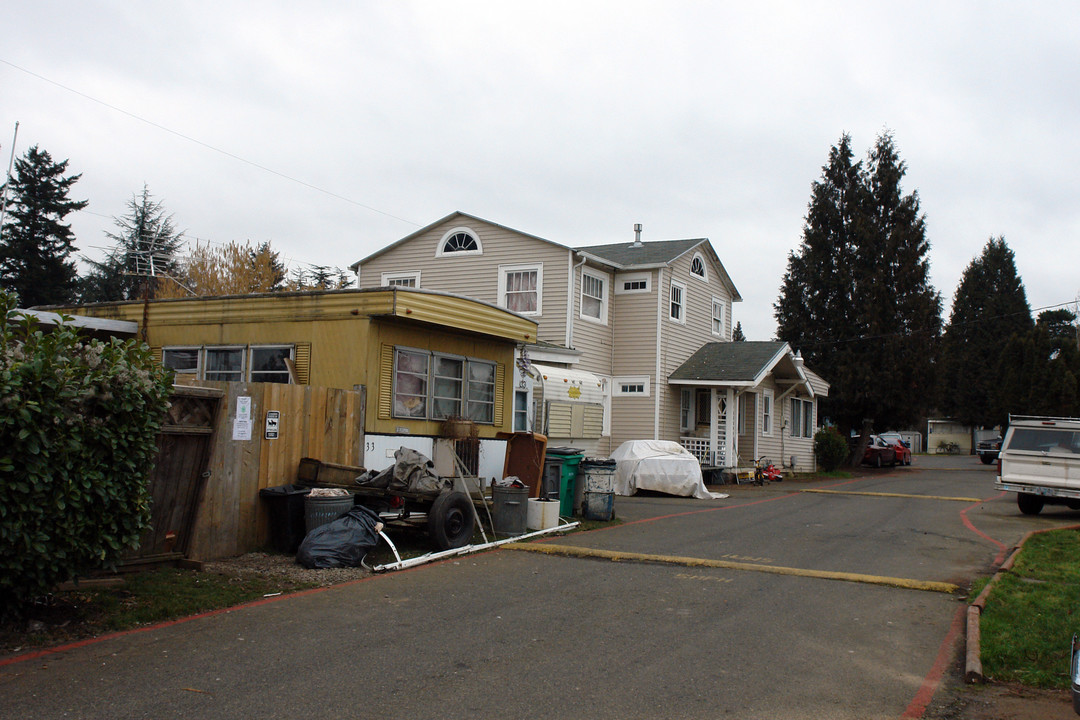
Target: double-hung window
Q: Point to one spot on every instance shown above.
(677, 297)
(717, 317)
(766, 412)
(802, 418)
(593, 296)
(521, 288)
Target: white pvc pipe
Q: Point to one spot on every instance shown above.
(464, 550)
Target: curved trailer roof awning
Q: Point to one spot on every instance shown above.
(571, 385)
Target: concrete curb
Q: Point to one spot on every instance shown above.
(973, 656)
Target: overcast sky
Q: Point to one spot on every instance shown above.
(334, 129)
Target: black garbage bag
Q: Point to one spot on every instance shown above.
(343, 542)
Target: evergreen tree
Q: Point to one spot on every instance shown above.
(737, 334)
(979, 384)
(856, 298)
(144, 259)
(36, 246)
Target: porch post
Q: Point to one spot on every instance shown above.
(714, 424)
(730, 430)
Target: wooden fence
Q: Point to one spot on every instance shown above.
(249, 453)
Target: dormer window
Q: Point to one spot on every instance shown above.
(459, 241)
(697, 267)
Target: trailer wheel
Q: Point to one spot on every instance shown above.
(450, 520)
(1029, 504)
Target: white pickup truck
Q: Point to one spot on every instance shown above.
(1040, 462)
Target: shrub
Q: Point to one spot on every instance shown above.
(78, 437)
(830, 448)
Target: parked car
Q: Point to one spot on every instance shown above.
(988, 450)
(903, 452)
(879, 452)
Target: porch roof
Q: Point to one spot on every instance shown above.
(744, 364)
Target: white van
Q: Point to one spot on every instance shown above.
(1040, 461)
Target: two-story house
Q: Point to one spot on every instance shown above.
(633, 340)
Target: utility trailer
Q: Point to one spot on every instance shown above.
(448, 514)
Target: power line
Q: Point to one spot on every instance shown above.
(926, 331)
(208, 146)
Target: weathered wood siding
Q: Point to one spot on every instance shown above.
(323, 423)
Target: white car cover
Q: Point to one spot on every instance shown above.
(658, 465)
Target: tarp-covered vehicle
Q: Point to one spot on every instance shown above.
(658, 465)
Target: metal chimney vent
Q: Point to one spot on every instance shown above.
(637, 236)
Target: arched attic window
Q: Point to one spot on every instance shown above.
(459, 241)
(697, 267)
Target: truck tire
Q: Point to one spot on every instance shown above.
(1029, 504)
(450, 520)
(987, 459)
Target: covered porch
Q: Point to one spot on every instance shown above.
(736, 405)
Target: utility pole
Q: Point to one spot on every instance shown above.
(7, 181)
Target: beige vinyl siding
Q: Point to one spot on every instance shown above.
(477, 276)
(681, 340)
(801, 448)
(634, 319)
(592, 338)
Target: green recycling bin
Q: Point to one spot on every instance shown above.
(571, 458)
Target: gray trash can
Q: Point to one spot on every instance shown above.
(510, 511)
(599, 502)
(321, 510)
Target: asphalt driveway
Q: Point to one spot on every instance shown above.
(783, 617)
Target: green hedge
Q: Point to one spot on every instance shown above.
(78, 437)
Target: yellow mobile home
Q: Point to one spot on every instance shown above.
(423, 356)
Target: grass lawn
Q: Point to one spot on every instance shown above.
(1032, 613)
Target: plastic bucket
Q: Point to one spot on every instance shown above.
(598, 505)
(509, 513)
(321, 510)
(542, 514)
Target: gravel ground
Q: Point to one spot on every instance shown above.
(283, 566)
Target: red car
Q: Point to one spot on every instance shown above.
(903, 450)
(880, 452)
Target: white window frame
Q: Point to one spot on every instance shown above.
(395, 279)
(523, 415)
(686, 409)
(801, 419)
(718, 316)
(618, 383)
(605, 282)
(622, 280)
(205, 362)
(704, 276)
(504, 270)
(767, 410)
(441, 251)
(681, 304)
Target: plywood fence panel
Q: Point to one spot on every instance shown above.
(324, 423)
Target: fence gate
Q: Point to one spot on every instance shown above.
(180, 474)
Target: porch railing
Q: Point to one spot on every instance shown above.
(701, 448)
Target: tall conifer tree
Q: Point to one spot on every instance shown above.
(856, 298)
(980, 378)
(37, 244)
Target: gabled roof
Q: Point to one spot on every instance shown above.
(747, 364)
(440, 221)
(732, 363)
(651, 254)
